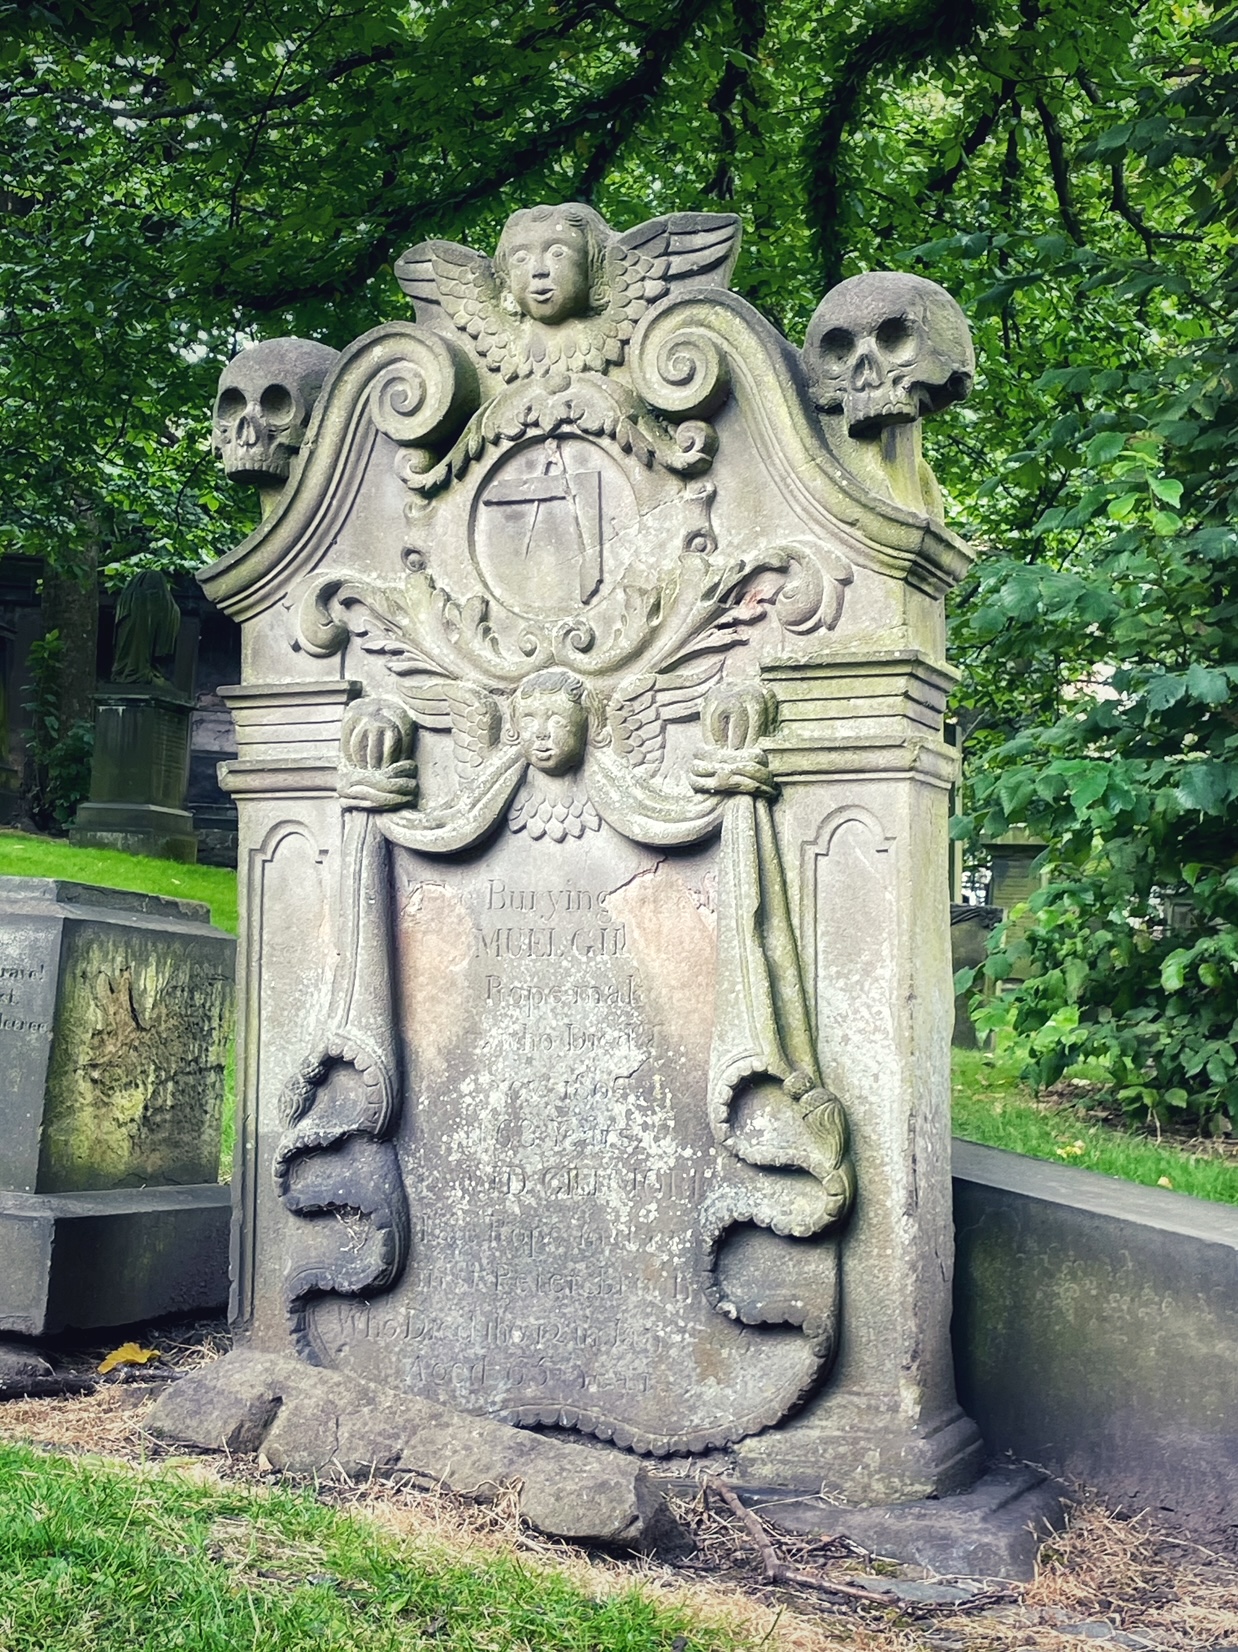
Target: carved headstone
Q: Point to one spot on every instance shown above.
(140, 762)
(596, 1008)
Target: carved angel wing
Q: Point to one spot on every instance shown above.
(471, 714)
(693, 249)
(454, 289)
(640, 709)
(698, 249)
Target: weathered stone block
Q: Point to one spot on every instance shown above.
(993, 1529)
(81, 1261)
(138, 774)
(115, 1012)
(1096, 1329)
(323, 1422)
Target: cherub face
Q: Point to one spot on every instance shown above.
(552, 729)
(548, 269)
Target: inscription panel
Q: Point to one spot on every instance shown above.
(29, 953)
(557, 1012)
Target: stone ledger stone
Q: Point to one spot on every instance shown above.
(115, 1014)
(321, 1423)
(596, 996)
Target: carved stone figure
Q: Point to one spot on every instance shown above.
(563, 293)
(591, 739)
(882, 350)
(262, 409)
(148, 623)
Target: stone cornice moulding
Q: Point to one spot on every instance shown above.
(690, 352)
(435, 380)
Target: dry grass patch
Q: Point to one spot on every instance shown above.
(1130, 1575)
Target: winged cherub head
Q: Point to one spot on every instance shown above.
(550, 719)
(552, 261)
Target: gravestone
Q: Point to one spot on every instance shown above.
(140, 764)
(115, 1012)
(596, 996)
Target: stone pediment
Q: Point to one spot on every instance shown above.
(701, 368)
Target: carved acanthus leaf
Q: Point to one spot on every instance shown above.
(589, 406)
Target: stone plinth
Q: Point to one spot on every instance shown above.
(596, 1004)
(84, 1261)
(115, 1010)
(138, 774)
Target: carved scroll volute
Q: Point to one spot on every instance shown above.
(425, 399)
(883, 350)
(683, 372)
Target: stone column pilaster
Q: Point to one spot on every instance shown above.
(283, 780)
(865, 777)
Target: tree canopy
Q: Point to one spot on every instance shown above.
(177, 179)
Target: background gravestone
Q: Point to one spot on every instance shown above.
(140, 763)
(115, 1014)
(594, 1044)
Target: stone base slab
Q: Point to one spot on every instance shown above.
(865, 1452)
(991, 1531)
(1096, 1331)
(136, 829)
(311, 1421)
(82, 1261)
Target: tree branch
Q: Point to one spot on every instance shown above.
(1059, 166)
(640, 90)
(734, 84)
(927, 29)
(944, 182)
(1122, 203)
(208, 106)
(605, 108)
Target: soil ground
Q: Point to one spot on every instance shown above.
(1115, 1576)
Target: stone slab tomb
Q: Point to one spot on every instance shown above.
(115, 1013)
(596, 992)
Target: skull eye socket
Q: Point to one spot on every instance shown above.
(836, 346)
(231, 403)
(276, 402)
(894, 332)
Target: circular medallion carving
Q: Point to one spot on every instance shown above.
(553, 526)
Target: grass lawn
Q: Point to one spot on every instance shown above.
(24, 856)
(95, 1558)
(993, 1107)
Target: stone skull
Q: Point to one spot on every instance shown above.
(263, 405)
(884, 349)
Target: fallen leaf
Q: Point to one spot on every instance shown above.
(127, 1354)
(1164, 1181)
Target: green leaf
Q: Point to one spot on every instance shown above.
(1173, 970)
(1163, 692)
(1212, 687)
(1206, 785)
(1166, 488)
(1106, 446)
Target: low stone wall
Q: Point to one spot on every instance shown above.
(1096, 1330)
